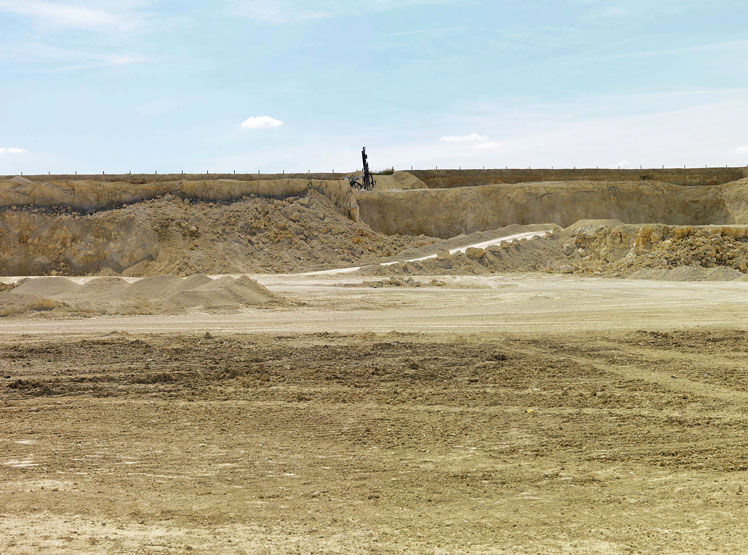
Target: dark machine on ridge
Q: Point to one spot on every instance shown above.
(366, 181)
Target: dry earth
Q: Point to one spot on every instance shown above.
(454, 405)
(614, 442)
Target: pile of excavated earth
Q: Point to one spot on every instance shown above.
(181, 231)
(602, 248)
(669, 224)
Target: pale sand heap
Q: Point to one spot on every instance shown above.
(153, 295)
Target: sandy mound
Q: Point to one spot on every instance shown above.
(153, 295)
(20, 180)
(181, 236)
(525, 255)
(683, 253)
(604, 248)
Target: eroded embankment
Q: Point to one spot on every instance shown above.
(438, 179)
(449, 212)
(98, 195)
(201, 227)
(603, 248)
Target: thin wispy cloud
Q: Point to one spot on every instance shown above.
(471, 138)
(265, 12)
(417, 32)
(45, 58)
(474, 140)
(710, 47)
(293, 11)
(742, 149)
(613, 11)
(487, 145)
(12, 150)
(76, 16)
(261, 122)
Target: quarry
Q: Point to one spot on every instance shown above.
(472, 361)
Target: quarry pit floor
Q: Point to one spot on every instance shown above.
(532, 302)
(518, 413)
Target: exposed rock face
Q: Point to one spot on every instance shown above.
(95, 195)
(450, 212)
(624, 249)
(604, 248)
(678, 176)
(34, 243)
(180, 235)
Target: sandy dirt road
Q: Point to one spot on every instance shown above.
(516, 414)
(506, 303)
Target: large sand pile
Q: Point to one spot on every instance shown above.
(176, 234)
(153, 295)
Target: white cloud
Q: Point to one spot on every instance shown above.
(46, 58)
(12, 150)
(487, 145)
(740, 45)
(291, 11)
(613, 11)
(471, 138)
(276, 13)
(416, 32)
(261, 122)
(742, 149)
(68, 15)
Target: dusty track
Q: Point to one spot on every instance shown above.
(504, 303)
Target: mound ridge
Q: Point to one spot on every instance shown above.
(152, 295)
(183, 236)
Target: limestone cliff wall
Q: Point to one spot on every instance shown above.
(32, 243)
(449, 212)
(679, 176)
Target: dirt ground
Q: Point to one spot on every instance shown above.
(512, 414)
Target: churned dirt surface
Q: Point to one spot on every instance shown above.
(593, 442)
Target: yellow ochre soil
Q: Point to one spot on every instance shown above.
(568, 443)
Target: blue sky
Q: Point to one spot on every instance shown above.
(247, 85)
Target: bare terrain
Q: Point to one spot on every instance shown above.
(614, 441)
(510, 381)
